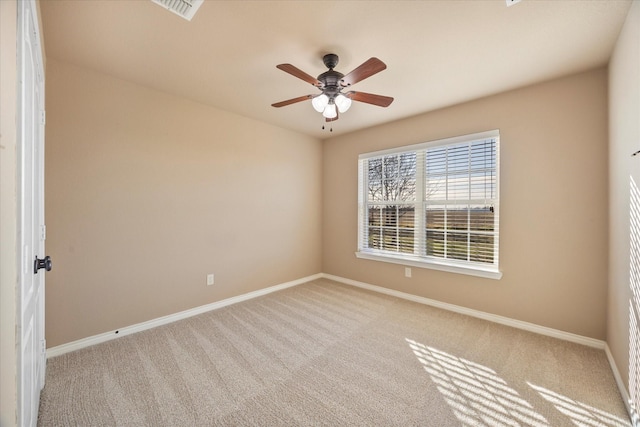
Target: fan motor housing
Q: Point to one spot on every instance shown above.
(331, 81)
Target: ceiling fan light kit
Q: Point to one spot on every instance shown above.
(331, 83)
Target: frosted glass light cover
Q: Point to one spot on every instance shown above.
(330, 112)
(343, 103)
(320, 102)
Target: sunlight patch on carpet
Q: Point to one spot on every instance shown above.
(475, 393)
(580, 413)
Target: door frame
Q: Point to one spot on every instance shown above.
(31, 356)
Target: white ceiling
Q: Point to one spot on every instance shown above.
(438, 53)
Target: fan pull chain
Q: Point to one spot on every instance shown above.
(330, 129)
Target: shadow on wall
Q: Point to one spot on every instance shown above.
(634, 302)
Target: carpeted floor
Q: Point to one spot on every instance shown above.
(327, 354)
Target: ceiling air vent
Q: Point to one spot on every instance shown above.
(184, 8)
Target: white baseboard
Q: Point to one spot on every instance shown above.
(531, 327)
(128, 330)
(635, 418)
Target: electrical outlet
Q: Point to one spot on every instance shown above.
(407, 272)
(209, 279)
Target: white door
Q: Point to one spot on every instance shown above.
(31, 363)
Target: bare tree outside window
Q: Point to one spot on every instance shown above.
(392, 187)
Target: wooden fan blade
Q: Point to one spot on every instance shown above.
(296, 72)
(291, 101)
(370, 98)
(367, 69)
(334, 119)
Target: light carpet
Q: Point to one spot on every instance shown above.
(328, 354)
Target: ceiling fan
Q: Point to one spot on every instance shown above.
(332, 100)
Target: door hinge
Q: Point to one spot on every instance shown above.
(43, 117)
(43, 232)
(44, 348)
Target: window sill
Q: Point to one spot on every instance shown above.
(479, 271)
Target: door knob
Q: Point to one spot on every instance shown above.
(42, 263)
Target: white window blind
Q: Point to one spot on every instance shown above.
(433, 205)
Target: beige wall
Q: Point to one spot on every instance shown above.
(8, 213)
(624, 136)
(553, 226)
(147, 193)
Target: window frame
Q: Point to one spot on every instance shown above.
(421, 259)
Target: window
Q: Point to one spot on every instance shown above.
(432, 205)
